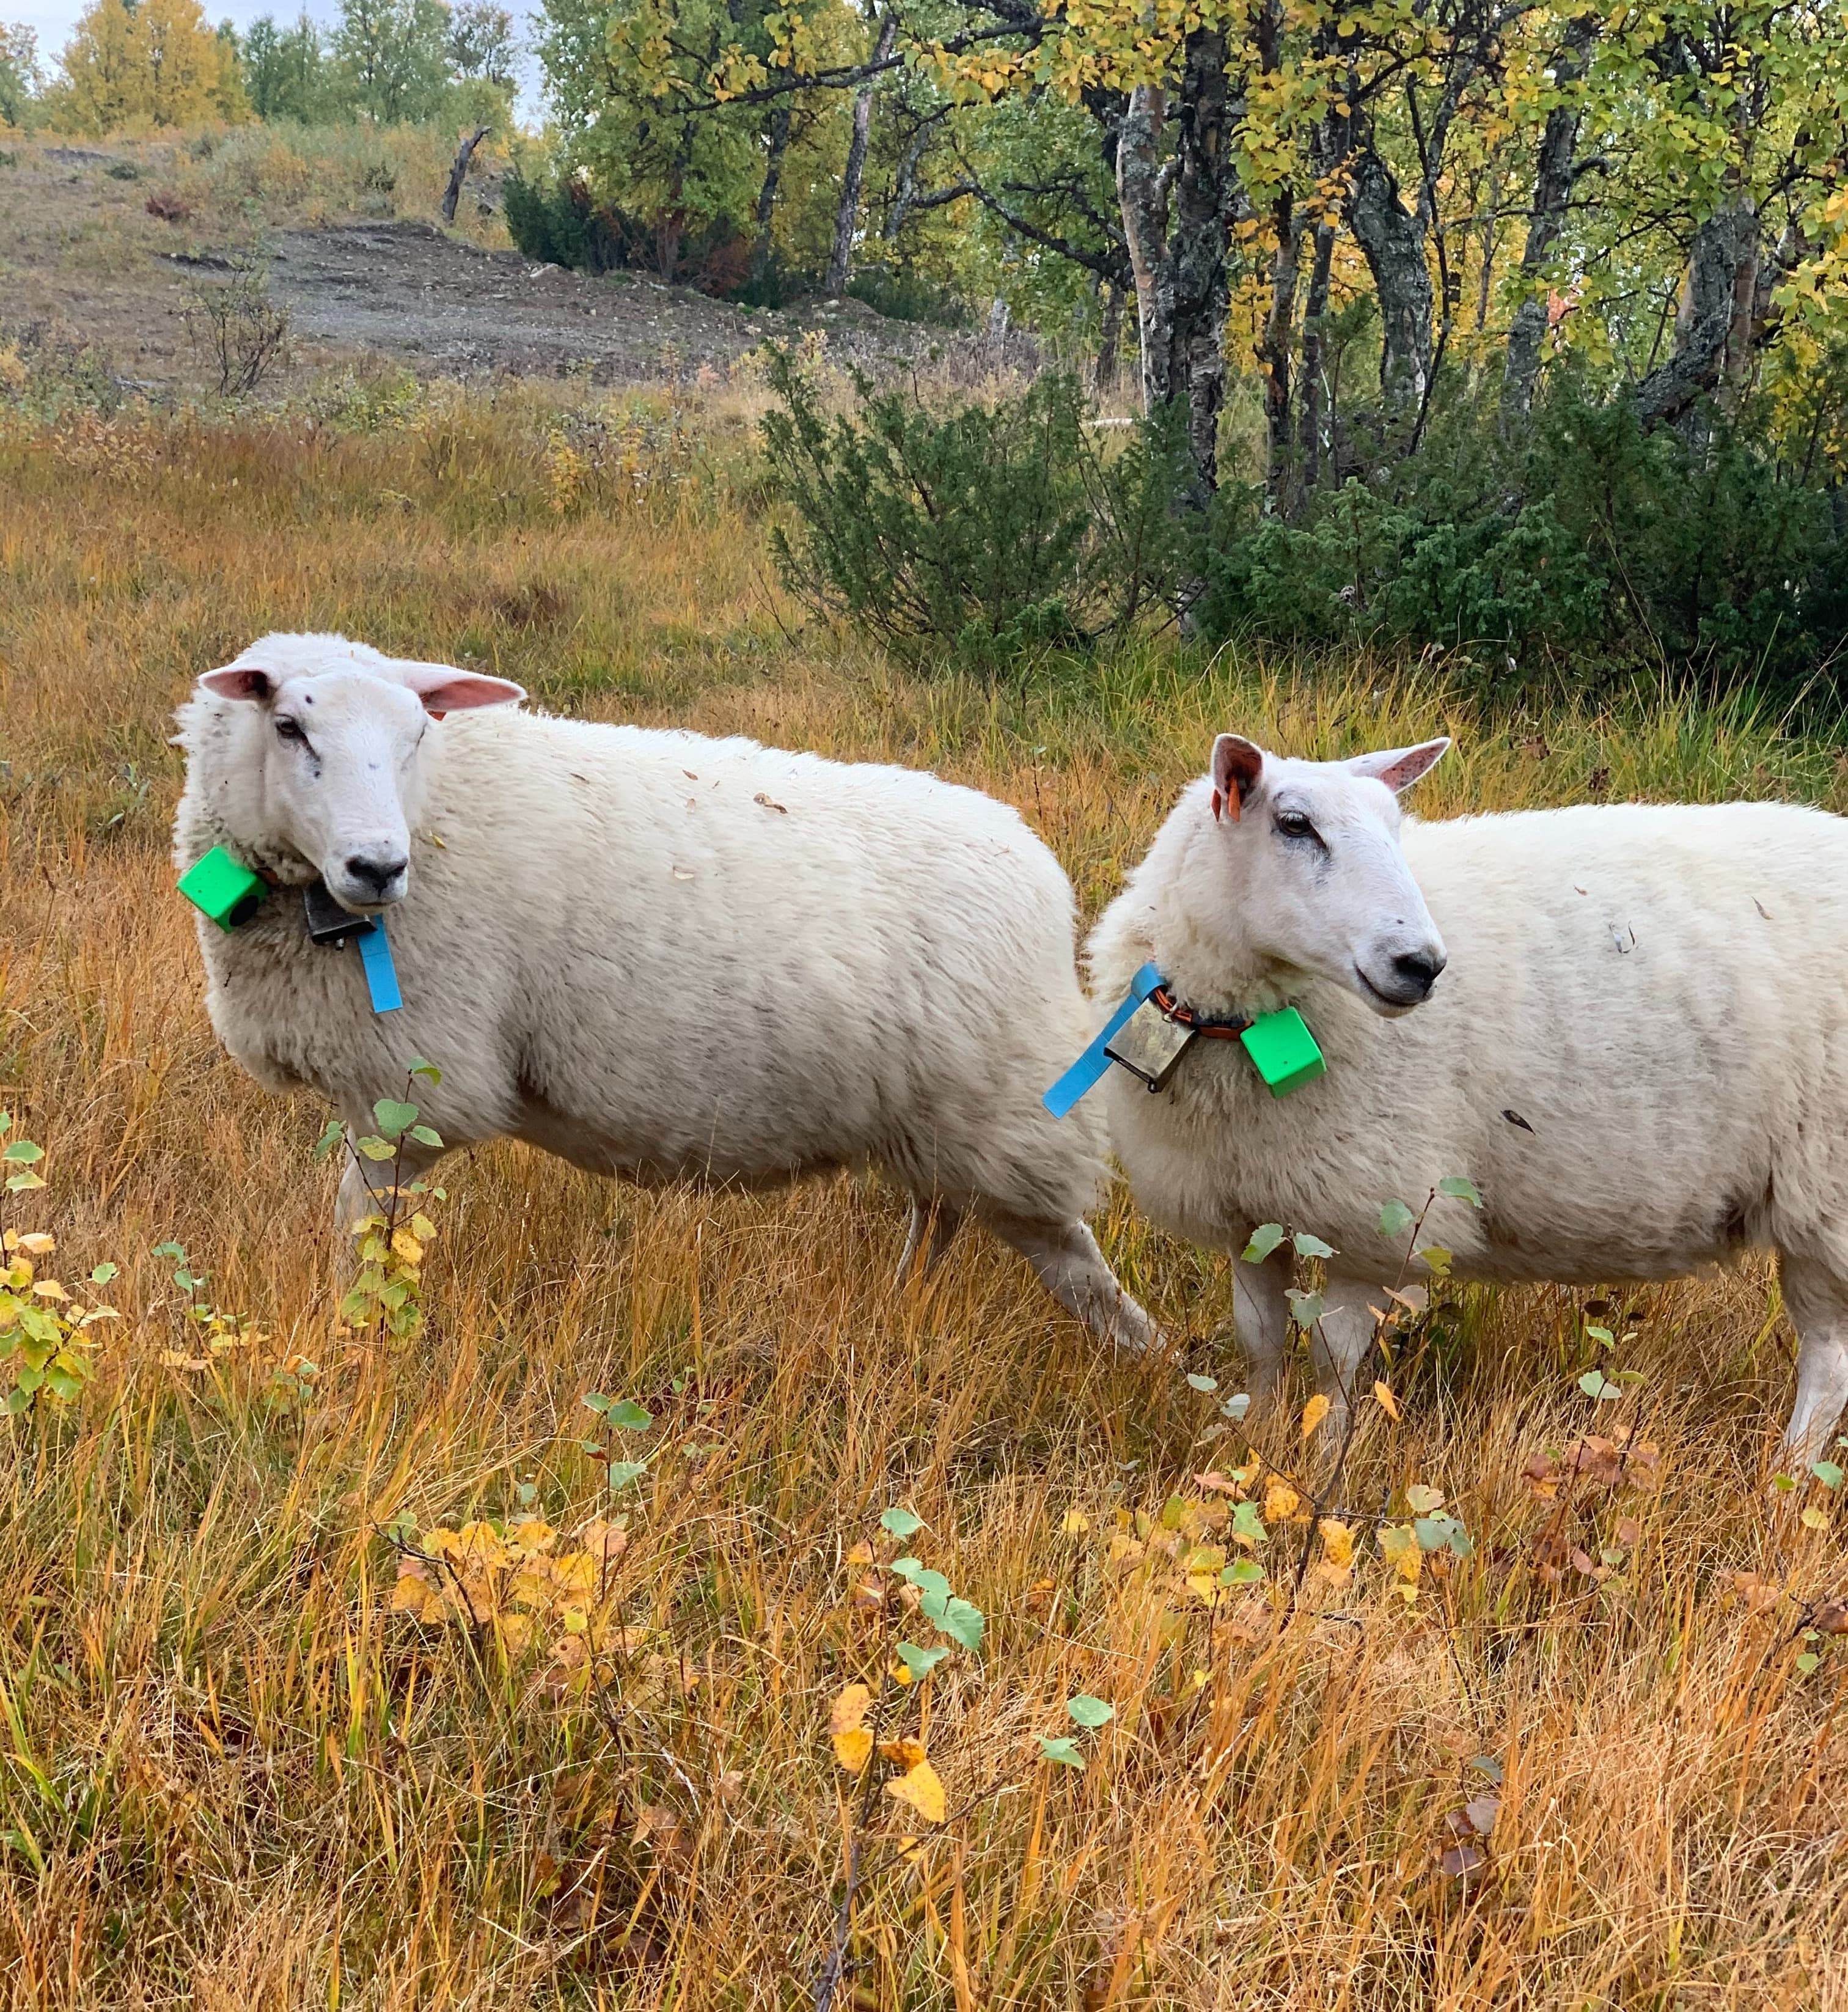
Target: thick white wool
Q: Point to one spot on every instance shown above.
(1639, 1051)
(664, 956)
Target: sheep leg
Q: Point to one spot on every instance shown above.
(934, 1227)
(1818, 1299)
(1073, 1270)
(1260, 1320)
(1339, 1343)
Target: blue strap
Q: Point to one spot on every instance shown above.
(381, 974)
(1085, 1073)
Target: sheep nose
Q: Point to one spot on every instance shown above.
(1419, 969)
(377, 874)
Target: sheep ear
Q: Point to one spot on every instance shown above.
(1237, 765)
(1399, 768)
(240, 681)
(444, 689)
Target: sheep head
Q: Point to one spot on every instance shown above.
(1303, 873)
(327, 752)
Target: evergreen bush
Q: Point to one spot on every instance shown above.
(991, 530)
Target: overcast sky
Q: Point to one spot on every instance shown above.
(54, 20)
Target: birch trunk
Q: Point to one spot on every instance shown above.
(847, 216)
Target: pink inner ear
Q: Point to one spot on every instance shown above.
(236, 682)
(444, 691)
(1237, 764)
(1399, 768)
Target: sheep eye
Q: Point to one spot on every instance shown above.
(1294, 824)
(289, 729)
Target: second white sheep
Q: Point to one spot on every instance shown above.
(1638, 1048)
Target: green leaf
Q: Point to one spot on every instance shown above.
(103, 1274)
(22, 1152)
(918, 1663)
(1246, 1522)
(1437, 1260)
(1090, 1712)
(623, 1472)
(394, 1119)
(901, 1523)
(1241, 1572)
(420, 1067)
(1305, 1308)
(1395, 1218)
(1595, 1383)
(425, 1136)
(1064, 1751)
(1311, 1247)
(628, 1415)
(1202, 1384)
(961, 1620)
(1235, 1408)
(176, 1251)
(330, 1137)
(1827, 1472)
(1808, 1662)
(1264, 1240)
(20, 1183)
(932, 1585)
(596, 1401)
(1460, 1187)
(1601, 1334)
(376, 1149)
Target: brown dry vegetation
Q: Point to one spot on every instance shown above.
(233, 1777)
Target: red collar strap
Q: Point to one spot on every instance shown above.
(1184, 1016)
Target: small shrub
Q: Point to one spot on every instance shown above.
(994, 530)
(237, 327)
(1717, 558)
(169, 205)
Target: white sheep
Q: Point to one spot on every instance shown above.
(655, 954)
(1638, 1050)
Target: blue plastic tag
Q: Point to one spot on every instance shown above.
(1087, 1071)
(381, 974)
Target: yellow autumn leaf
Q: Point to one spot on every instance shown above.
(421, 1225)
(1814, 1519)
(406, 1247)
(38, 1243)
(1313, 1412)
(1075, 1524)
(920, 1787)
(902, 1752)
(847, 1728)
(1280, 1499)
(533, 1535)
(1337, 1542)
(1400, 1547)
(49, 1289)
(1388, 1402)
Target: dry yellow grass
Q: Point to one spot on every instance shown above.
(232, 1777)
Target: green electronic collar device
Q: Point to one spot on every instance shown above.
(223, 889)
(227, 891)
(1150, 1030)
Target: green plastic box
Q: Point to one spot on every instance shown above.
(1284, 1050)
(223, 888)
